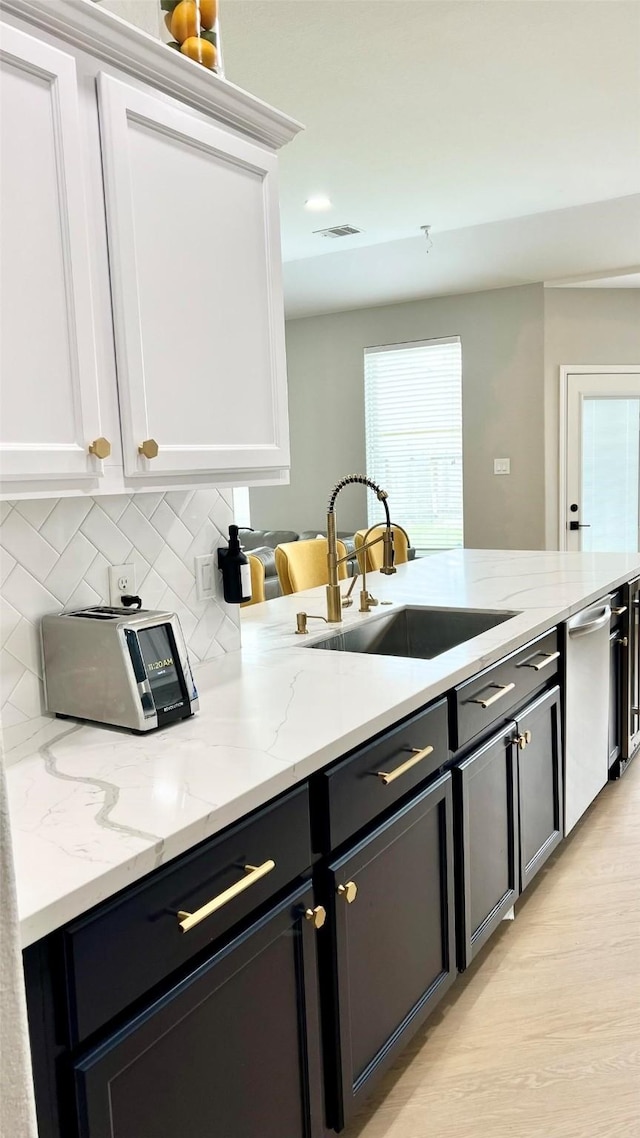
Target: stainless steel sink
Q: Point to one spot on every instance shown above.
(416, 631)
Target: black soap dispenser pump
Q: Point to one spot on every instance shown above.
(235, 569)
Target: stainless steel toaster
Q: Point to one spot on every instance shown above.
(112, 665)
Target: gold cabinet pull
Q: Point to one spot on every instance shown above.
(348, 891)
(503, 689)
(523, 740)
(253, 872)
(317, 915)
(149, 448)
(100, 447)
(418, 755)
(548, 657)
(619, 611)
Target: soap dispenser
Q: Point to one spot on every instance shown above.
(235, 569)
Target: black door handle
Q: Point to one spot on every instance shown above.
(579, 525)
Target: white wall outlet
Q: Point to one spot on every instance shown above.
(122, 579)
(502, 466)
(205, 577)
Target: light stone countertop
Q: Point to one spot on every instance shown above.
(94, 809)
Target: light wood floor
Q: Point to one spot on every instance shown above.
(540, 1038)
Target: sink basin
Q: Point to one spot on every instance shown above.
(416, 631)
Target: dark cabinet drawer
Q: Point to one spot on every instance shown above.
(360, 787)
(124, 948)
(491, 696)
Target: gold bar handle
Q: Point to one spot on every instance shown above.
(503, 689)
(417, 757)
(548, 658)
(253, 872)
(619, 611)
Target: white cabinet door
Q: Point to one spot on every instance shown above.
(49, 410)
(194, 250)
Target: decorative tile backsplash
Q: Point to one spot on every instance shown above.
(55, 553)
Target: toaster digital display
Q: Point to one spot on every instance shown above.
(158, 652)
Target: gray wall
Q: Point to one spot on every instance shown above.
(582, 326)
(502, 334)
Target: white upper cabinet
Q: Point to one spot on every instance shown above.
(141, 268)
(49, 409)
(194, 250)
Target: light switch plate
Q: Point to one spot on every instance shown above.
(502, 466)
(205, 577)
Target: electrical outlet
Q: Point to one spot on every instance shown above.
(205, 577)
(122, 579)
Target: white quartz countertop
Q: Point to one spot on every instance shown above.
(94, 809)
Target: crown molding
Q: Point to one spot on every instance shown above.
(87, 26)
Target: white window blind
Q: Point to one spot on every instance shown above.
(413, 413)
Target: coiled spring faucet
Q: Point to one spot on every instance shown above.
(334, 601)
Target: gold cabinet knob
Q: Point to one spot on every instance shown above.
(318, 916)
(348, 891)
(100, 447)
(523, 740)
(149, 448)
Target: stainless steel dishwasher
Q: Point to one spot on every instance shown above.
(586, 709)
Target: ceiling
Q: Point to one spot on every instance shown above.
(490, 120)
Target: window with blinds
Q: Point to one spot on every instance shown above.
(413, 413)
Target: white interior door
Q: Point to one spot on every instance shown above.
(600, 510)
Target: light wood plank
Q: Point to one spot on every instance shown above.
(540, 1038)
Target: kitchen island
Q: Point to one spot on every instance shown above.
(95, 810)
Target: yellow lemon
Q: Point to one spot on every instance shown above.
(208, 12)
(185, 21)
(200, 50)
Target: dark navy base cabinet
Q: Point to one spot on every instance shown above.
(540, 787)
(487, 839)
(264, 1019)
(391, 956)
(509, 812)
(233, 1050)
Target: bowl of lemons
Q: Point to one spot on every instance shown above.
(191, 27)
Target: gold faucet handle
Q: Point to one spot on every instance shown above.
(367, 602)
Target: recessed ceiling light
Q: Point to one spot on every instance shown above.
(317, 203)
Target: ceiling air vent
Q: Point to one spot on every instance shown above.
(337, 231)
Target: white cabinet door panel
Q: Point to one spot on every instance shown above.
(50, 408)
(197, 296)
